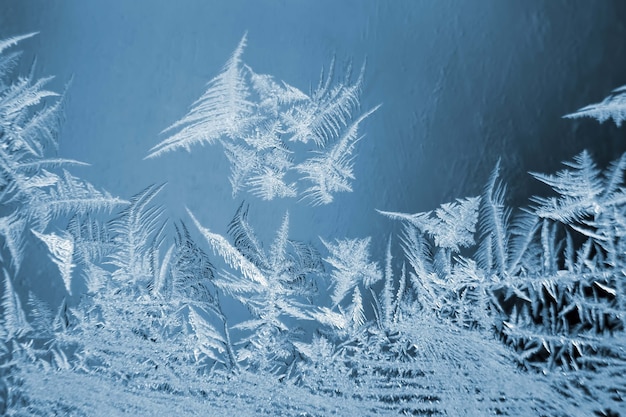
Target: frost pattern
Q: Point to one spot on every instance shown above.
(262, 124)
(61, 252)
(222, 111)
(32, 195)
(482, 310)
(612, 107)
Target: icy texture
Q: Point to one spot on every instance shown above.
(260, 122)
(612, 107)
(492, 311)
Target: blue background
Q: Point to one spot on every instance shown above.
(462, 84)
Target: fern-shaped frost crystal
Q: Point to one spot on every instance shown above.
(61, 253)
(31, 193)
(230, 254)
(222, 111)
(452, 226)
(612, 107)
(261, 123)
(332, 170)
(322, 118)
(581, 190)
(351, 266)
(71, 195)
(14, 40)
(13, 318)
(12, 229)
(134, 227)
(209, 340)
